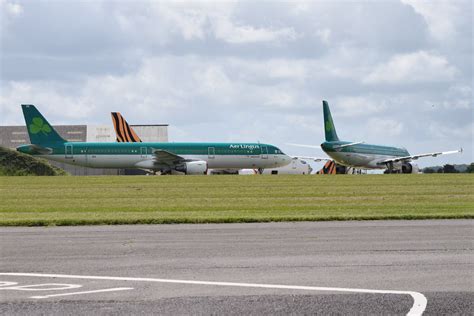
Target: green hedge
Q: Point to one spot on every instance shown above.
(13, 163)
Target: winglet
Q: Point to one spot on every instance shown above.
(125, 134)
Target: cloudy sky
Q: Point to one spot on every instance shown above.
(394, 72)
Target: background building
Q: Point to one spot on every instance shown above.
(14, 136)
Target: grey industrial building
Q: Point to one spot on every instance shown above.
(14, 136)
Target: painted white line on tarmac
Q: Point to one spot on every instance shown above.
(7, 283)
(42, 287)
(85, 292)
(419, 300)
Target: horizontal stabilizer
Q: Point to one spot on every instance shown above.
(347, 145)
(35, 149)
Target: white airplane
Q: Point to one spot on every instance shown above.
(366, 156)
(189, 158)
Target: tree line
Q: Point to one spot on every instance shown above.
(450, 169)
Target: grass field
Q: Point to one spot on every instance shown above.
(221, 199)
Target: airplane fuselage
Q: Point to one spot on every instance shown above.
(364, 156)
(141, 155)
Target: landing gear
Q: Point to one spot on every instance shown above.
(392, 170)
(152, 172)
(165, 172)
(389, 168)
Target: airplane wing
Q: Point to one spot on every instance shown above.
(415, 157)
(302, 145)
(167, 158)
(316, 159)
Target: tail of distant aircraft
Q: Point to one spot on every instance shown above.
(329, 168)
(125, 134)
(39, 130)
(330, 130)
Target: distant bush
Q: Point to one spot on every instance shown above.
(462, 168)
(13, 163)
(470, 168)
(449, 169)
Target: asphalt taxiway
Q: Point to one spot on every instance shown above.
(270, 268)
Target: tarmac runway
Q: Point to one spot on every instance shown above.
(378, 267)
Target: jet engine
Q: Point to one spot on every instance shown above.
(409, 168)
(193, 167)
(404, 167)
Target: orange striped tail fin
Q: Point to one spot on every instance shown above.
(329, 168)
(125, 134)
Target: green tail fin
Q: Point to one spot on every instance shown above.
(40, 131)
(329, 129)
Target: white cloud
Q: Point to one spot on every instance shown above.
(440, 16)
(324, 34)
(440, 131)
(189, 20)
(212, 81)
(358, 106)
(419, 67)
(280, 99)
(45, 94)
(276, 69)
(385, 127)
(11, 8)
(227, 30)
(158, 22)
(197, 21)
(246, 71)
(287, 69)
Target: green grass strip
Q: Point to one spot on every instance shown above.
(113, 200)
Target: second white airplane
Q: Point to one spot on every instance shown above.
(366, 156)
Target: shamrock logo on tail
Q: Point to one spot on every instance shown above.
(39, 126)
(329, 126)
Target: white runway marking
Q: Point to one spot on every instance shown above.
(85, 292)
(419, 300)
(42, 287)
(3, 283)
